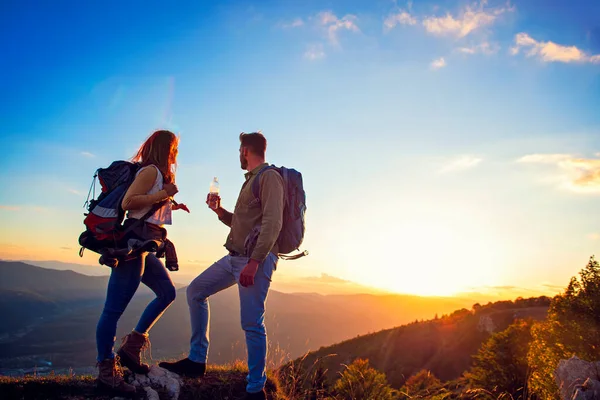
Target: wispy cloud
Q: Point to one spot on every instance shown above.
(482, 48)
(333, 25)
(87, 154)
(461, 164)
(75, 192)
(594, 236)
(10, 208)
(314, 52)
(296, 23)
(467, 21)
(581, 175)
(399, 18)
(550, 51)
(437, 64)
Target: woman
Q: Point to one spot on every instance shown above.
(153, 187)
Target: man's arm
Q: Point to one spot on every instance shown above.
(224, 216)
(272, 203)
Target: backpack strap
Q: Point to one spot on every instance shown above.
(256, 181)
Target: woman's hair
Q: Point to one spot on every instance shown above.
(160, 149)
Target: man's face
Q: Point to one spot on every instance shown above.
(243, 157)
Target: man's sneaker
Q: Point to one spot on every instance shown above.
(262, 395)
(185, 367)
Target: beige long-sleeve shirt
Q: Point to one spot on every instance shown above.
(250, 212)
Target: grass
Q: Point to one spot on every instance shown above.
(227, 382)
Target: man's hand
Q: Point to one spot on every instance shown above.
(215, 204)
(248, 273)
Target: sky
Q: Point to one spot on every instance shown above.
(446, 147)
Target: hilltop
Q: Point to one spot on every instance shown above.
(220, 382)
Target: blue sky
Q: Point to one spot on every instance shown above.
(453, 144)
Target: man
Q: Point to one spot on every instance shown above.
(250, 268)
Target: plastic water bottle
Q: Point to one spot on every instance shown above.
(213, 194)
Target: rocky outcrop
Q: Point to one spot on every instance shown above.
(578, 379)
(486, 324)
(161, 379)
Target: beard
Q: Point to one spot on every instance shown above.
(243, 162)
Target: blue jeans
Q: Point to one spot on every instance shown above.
(221, 275)
(122, 285)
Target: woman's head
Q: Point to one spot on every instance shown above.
(160, 149)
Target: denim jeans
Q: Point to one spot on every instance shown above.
(122, 285)
(221, 275)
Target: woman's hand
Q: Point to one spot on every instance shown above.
(180, 206)
(171, 189)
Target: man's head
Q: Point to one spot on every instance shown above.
(253, 147)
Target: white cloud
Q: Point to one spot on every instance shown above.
(437, 64)
(75, 192)
(87, 154)
(314, 52)
(402, 17)
(333, 24)
(550, 51)
(483, 48)
(461, 163)
(581, 175)
(544, 158)
(296, 23)
(466, 22)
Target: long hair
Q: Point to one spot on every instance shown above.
(160, 149)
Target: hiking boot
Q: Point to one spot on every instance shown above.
(185, 367)
(131, 352)
(262, 395)
(110, 378)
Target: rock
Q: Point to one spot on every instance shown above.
(590, 390)
(151, 394)
(161, 379)
(577, 379)
(486, 324)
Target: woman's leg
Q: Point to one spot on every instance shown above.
(122, 285)
(157, 278)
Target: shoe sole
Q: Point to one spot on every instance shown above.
(184, 374)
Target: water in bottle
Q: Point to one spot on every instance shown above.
(213, 194)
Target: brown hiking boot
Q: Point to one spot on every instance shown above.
(110, 378)
(131, 352)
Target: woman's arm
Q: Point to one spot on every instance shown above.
(136, 197)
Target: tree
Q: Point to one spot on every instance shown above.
(361, 382)
(572, 328)
(421, 384)
(500, 365)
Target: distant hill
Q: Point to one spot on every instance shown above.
(56, 285)
(51, 316)
(443, 346)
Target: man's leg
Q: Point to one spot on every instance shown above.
(252, 307)
(215, 278)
